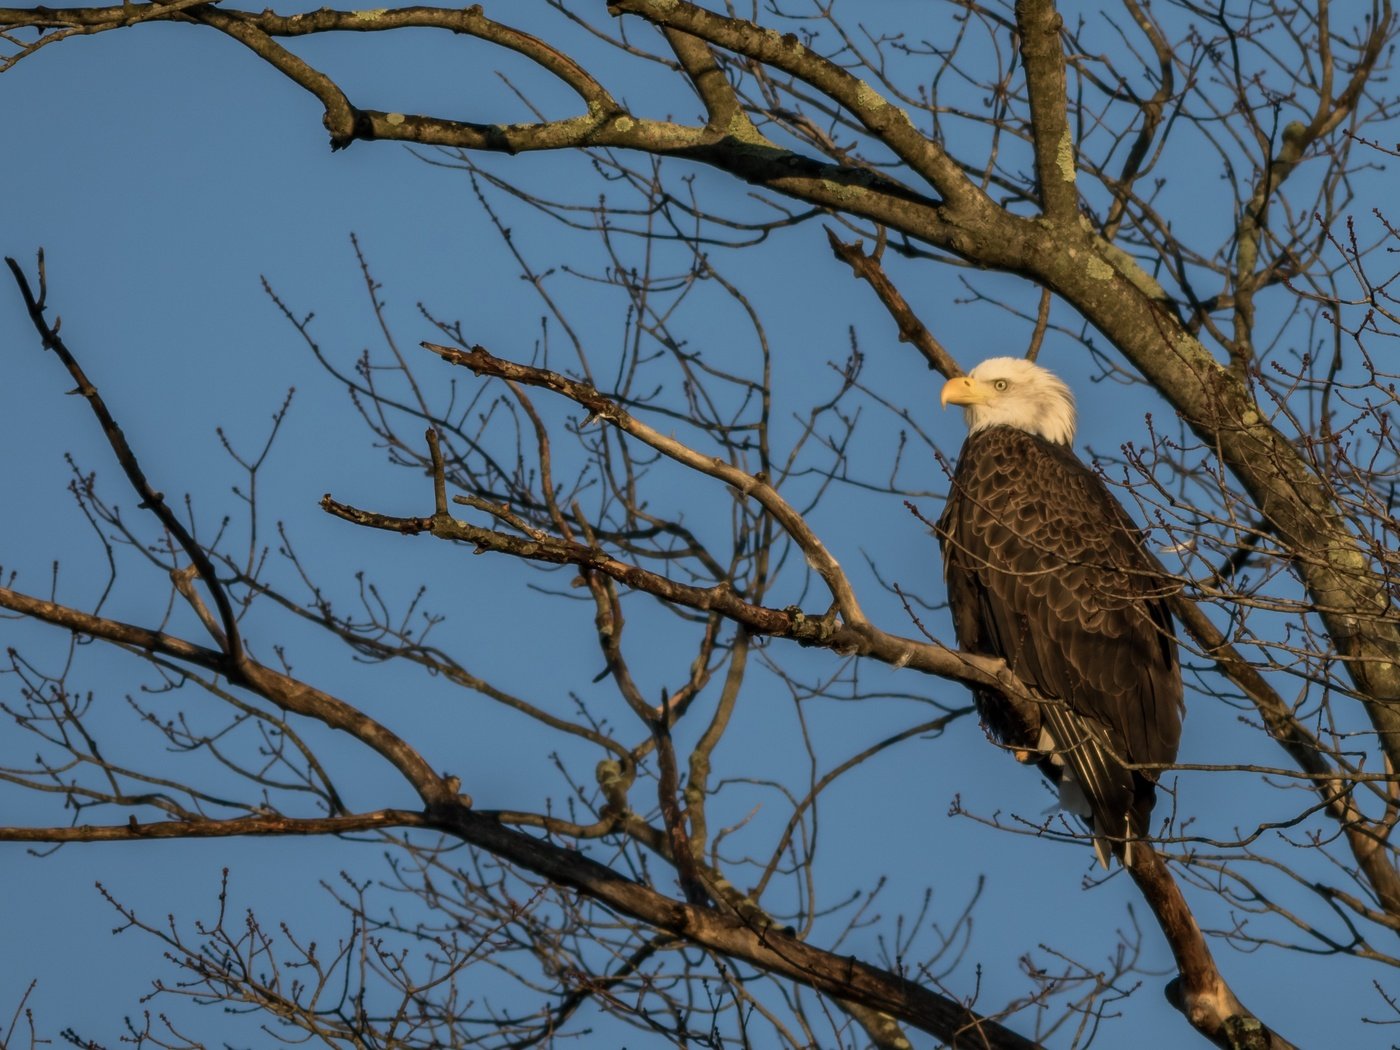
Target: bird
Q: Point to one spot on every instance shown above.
(1045, 569)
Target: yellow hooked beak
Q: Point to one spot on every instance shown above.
(964, 390)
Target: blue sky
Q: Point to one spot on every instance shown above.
(164, 171)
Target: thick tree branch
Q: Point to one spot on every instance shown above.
(890, 124)
(1199, 992)
(724, 111)
(340, 117)
(1040, 25)
(1350, 598)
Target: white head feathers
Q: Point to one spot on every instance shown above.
(1014, 392)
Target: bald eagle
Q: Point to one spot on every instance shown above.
(1046, 570)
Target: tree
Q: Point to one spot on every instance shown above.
(663, 888)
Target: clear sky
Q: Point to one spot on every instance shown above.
(165, 171)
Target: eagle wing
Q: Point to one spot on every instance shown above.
(1046, 570)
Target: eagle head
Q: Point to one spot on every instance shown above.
(1014, 392)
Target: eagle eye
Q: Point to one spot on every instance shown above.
(999, 384)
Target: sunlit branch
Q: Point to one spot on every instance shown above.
(1040, 25)
(753, 486)
(786, 52)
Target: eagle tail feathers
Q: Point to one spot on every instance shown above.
(1093, 783)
